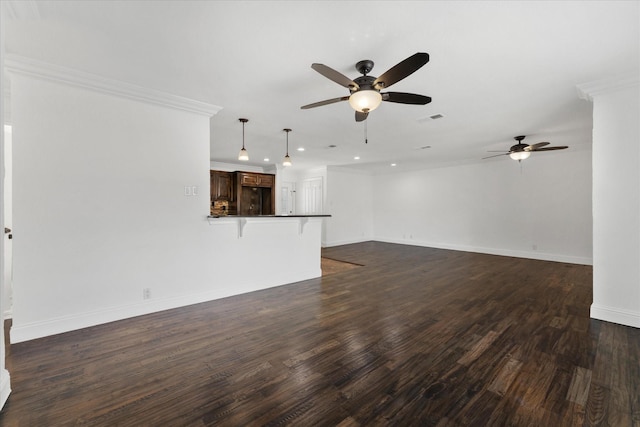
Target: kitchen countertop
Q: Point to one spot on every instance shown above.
(269, 216)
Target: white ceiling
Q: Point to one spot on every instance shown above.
(497, 69)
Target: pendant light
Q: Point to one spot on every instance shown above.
(287, 159)
(243, 155)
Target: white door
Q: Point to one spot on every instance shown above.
(7, 292)
(287, 198)
(312, 196)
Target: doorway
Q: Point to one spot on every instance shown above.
(312, 194)
(7, 253)
(287, 195)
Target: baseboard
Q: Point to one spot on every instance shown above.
(5, 387)
(39, 329)
(542, 256)
(345, 242)
(616, 315)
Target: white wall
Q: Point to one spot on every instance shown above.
(538, 209)
(100, 213)
(350, 203)
(99, 205)
(616, 201)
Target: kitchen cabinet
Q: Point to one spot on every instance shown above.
(242, 193)
(222, 186)
(255, 194)
(223, 192)
(255, 179)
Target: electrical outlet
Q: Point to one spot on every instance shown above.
(146, 293)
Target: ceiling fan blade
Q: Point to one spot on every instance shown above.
(401, 70)
(559, 147)
(360, 117)
(406, 98)
(337, 77)
(325, 102)
(534, 147)
(497, 155)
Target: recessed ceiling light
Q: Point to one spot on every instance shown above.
(300, 148)
(266, 159)
(356, 158)
(394, 164)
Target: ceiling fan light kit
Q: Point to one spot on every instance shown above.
(365, 101)
(520, 155)
(364, 91)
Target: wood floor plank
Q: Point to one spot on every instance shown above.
(579, 388)
(597, 413)
(478, 349)
(411, 336)
(505, 377)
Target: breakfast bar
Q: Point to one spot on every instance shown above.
(262, 251)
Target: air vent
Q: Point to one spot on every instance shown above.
(429, 118)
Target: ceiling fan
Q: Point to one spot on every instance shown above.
(364, 91)
(522, 151)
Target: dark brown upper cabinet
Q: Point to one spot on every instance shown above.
(243, 193)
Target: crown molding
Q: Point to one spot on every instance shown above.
(55, 73)
(588, 91)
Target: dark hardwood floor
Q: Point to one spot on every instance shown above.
(332, 266)
(414, 337)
